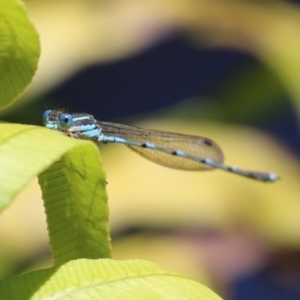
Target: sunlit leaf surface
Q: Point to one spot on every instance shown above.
(105, 279)
(73, 187)
(19, 50)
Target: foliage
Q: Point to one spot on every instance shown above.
(73, 186)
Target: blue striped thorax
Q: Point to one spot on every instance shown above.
(80, 126)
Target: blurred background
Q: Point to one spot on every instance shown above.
(227, 70)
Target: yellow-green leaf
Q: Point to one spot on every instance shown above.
(106, 280)
(19, 50)
(73, 186)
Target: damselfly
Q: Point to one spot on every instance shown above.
(174, 150)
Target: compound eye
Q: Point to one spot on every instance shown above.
(46, 116)
(65, 121)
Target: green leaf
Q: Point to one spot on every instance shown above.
(104, 279)
(19, 50)
(73, 186)
(72, 182)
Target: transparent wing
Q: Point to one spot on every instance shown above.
(199, 147)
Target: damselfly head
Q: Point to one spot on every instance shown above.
(50, 118)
